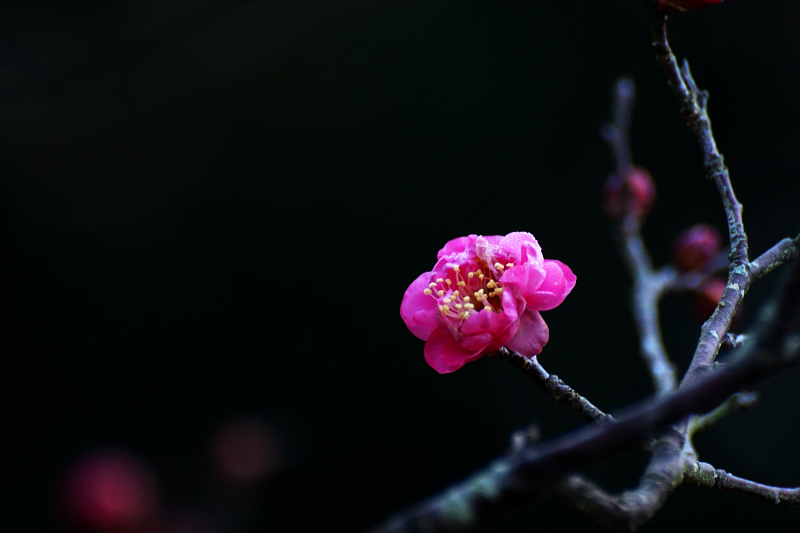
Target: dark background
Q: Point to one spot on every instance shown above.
(213, 208)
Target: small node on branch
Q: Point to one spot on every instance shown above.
(733, 340)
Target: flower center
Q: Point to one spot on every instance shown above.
(459, 296)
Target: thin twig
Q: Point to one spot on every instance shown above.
(786, 250)
(735, 402)
(552, 385)
(649, 285)
(704, 475)
(694, 110)
(617, 133)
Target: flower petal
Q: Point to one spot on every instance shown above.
(418, 310)
(495, 323)
(488, 249)
(525, 278)
(558, 283)
(457, 246)
(444, 355)
(488, 330)
(513, 244)
(532, 334)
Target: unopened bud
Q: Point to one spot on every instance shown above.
(695, 246)
(633, 191)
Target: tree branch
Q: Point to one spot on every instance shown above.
(786, 250)
(694, 110)
(735, 402)
(649, 285)
(514, 480)
(704, 475)
(559, 391)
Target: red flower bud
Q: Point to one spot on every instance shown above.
(684, 5)
(633, 192)
(695, 246)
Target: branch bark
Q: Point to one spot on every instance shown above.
(704, 475)
(559, 391)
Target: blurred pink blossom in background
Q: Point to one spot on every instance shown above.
(245, 450)
(111, 491)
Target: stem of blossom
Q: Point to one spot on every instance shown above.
(704, 475)
(735, 402)
(552, 385)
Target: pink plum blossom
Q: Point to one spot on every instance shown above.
(484, 293)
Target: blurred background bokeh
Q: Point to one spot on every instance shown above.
(212, 208)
